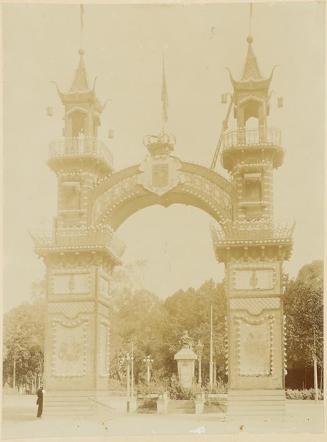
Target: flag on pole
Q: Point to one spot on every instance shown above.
(164, 94)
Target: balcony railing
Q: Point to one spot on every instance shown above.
(252, 137)
(80, 238)
(254, 231)
(80, 146)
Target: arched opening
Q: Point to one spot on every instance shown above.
(179, 268)
(252, 123)
(177, 244)
(78, 122)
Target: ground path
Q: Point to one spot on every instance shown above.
(19, 421)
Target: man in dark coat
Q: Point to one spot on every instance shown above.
(39, 401)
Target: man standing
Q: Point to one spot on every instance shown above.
(39, 401)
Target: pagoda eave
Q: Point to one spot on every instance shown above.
(53, 250)
(74, 162)
(270, 247)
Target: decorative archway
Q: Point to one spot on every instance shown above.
(123, 193)
(93, 201)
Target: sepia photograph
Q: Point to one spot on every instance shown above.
(163, 219)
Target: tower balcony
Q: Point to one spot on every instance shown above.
(79, 239)
(240, 144)
(258, 236)
(70, 150)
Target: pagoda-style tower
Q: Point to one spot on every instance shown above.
(78, 259)
(253, 251)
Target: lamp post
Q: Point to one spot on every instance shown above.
(132, 372)
(211, 352)
(126, 360)
(148, 360)
(199, 348)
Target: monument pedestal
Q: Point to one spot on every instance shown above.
(186, 364)
(131, 405)
(68, 403)
(266, 404)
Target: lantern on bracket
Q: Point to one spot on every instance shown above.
(280, 102)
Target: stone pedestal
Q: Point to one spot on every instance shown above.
(162, 404)
(131, 405)
(185, 364)
(199, 403)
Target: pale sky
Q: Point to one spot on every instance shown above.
(123, 46)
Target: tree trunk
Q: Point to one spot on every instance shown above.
(14, 375)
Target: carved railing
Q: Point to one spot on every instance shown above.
(252, 137)
(80, 146)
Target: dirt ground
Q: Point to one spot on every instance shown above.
(19, 421)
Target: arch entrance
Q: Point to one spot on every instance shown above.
(93, 201)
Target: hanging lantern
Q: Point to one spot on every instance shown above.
(280, 101)
(111, 134)
(223, 98)
(49, 111)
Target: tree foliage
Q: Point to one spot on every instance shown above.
(304, 316)
(155, 326)
(23, 341)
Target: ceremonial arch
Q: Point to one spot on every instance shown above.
(94, 200)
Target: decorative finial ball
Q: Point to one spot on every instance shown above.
(249, 39)
(81, 51)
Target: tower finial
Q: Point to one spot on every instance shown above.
(164, 96)
(250, 38)
(82, 29)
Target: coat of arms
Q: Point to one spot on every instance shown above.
(160, 175)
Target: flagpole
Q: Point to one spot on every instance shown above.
(250, 18)
(211, 352)
(164, 98)
(82, 25)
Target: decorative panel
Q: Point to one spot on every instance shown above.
(103, 350)
(70, 309)
(254, 279)
(69, 348)
(254, 346)
(254, 305)
(71, 283)
(160, 175)
(103, 286)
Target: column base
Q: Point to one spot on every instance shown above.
(267, 404)
(69, 403)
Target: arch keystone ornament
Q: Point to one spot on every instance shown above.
(94, 200)
(160, 169)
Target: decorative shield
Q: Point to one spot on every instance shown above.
(160, 175)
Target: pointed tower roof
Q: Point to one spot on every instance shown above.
(80, 82)
(251, 69)
(251, 77)
(80, 90)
